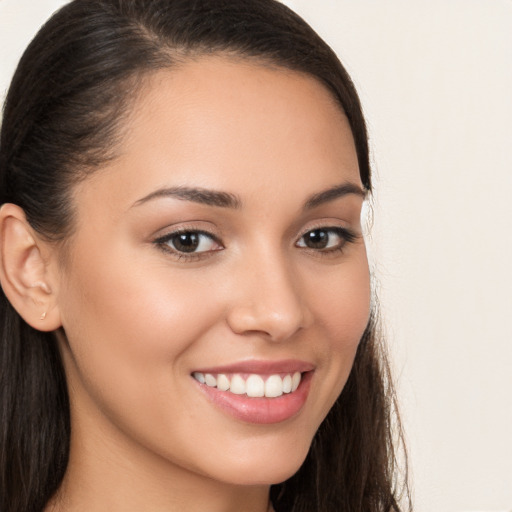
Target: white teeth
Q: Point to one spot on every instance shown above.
(210, 380)
(237, 385)
(199, 377)
(295, 381)
(274, 386)
(253, 386)
(287, 384)
(222, 382)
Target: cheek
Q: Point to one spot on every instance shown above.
(130, 333)
(133, 305)
(127, 326)
(345, 309)
(343, 313)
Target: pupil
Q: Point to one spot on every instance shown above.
(186, 242)
(317, 239)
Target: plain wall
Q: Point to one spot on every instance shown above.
(435, 80)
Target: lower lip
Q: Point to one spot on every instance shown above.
(260, 410)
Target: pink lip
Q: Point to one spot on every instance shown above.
(260, 410)
(261, 367)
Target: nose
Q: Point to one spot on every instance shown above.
(268, 300)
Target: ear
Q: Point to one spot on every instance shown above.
(24, 272)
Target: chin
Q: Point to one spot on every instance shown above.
(265, 466)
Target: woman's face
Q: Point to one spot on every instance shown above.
(223, 244)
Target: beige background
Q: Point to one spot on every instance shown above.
(436, 84)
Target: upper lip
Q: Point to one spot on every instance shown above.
(261, 367)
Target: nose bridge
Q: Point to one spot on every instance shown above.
(269, 299)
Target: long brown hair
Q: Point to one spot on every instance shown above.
(61, 118)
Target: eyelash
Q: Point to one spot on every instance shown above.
(164, 242)
(345, 235)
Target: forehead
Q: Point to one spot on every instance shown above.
(226, 123)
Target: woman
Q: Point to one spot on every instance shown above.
(186, 319)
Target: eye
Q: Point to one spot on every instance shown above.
(189, 242)
(326, 239)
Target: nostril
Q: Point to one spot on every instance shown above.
(275, 325)
(268, 301)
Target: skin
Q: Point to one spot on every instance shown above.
(137, 319)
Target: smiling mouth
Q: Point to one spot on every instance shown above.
(257, 392)
(252, 385)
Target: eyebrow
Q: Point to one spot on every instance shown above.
(229, 200)
(334, 193)
(196, 195)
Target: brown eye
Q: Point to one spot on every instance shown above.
(190, 242)
(325, 238)
(317, 239)
(185, 242)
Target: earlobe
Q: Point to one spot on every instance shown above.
(23, 271)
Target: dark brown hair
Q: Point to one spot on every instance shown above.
(61, 121)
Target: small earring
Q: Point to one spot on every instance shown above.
(43, 316)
